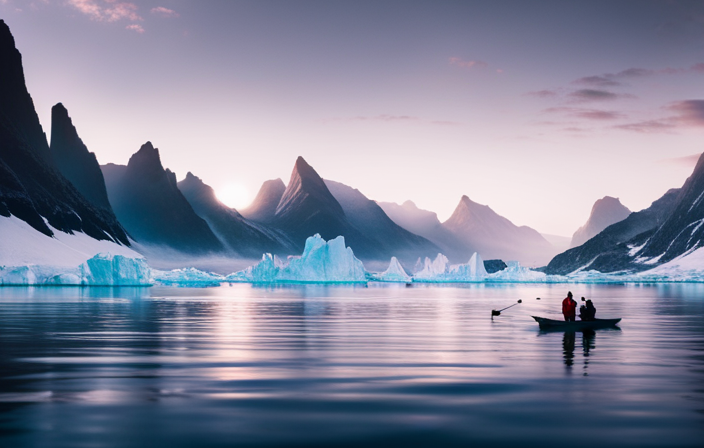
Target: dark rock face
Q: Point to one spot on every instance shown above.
(426, 224)
(606, 211)
(246, 238)
(147, 201)
(307, 207)
(31, 185)
(683, 230)
(263, 208)
(73, 159)
(610, 250)
(494, 236)
(492, 266)
(372, 221)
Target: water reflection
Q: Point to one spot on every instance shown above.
(307, 365)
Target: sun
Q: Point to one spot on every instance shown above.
(234, 195)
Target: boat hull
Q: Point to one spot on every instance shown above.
(579, 325)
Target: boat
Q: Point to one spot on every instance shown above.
(578, 325)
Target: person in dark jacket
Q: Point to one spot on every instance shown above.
(569, 308)
(587, 311)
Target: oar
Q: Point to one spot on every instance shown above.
(498, 313)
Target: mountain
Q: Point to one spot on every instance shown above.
(307, 207)
(32, 187)
(263, 208)
(606, 211)
(368, 217)
(610, 250)
(147, 201)
(494, 236)
(246, 238)
(73, 159)
(426, 224)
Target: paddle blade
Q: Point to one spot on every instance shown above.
(495, 313)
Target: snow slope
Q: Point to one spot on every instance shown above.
(21, 245)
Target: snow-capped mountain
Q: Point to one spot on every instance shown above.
(494, 236)
(368, 217)
(147, 201)
(426, 224)
(606, 211)
(245, 238)
(263, 208)
(610, 250)
(32, 188)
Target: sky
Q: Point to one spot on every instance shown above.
(535, 108)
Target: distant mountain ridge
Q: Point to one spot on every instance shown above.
(310, 205)
(605, 211)
(147, 201)
(672, 227)
(240, 235)
(494, 236)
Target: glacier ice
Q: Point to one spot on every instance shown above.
(321, 262)
(188, 276)
(394, 273)
(101, 270)
(440, 271)
(514, 272)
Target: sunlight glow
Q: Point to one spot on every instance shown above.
(234, 195)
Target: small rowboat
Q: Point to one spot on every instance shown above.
(579, 325)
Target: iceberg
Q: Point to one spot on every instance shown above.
(321, 262)
(439, 271)
(515, 273)
(432, 270)
(188, 276)
(101, 270)
(394, 273)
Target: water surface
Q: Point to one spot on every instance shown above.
(319, 365)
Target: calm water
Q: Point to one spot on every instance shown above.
(348, 366)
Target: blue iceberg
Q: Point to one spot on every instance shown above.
(321, 262)
(394, 273)
(101, 270)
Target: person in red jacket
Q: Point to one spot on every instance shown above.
(569, 308)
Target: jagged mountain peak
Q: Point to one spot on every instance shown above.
(263, 207)
(147, 159)
(605, 212)
(306, 185)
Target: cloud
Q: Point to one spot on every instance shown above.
(468, 64)
(389, 118)
(107, 10)
(615, 79)
(686, 161)
(543, 94)
(597, 95)
(589, 114)
(597, 81)
(165, 12)
(648, 126)
(689, 112)
(136, 28)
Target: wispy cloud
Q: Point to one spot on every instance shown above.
(468, 64)
(584, 95)
(687, 161)
(543, 93)
(389, 118)
(648, 126)
(165, 12)
(136, 28)
(616, 79)
(689, 112)
(107, 10)
(589, 114)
